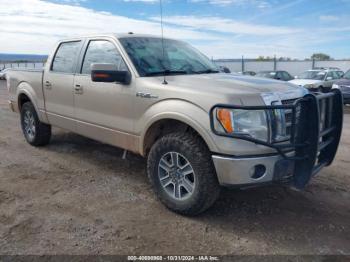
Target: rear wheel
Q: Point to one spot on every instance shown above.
(182, 174)
(35, 132)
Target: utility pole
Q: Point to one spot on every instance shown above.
(242, 64)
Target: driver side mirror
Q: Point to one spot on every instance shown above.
(329, 78)
(109, 73)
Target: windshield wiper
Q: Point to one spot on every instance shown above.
(207, 71)
(166, 72)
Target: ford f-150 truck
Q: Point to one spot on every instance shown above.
(198, 128)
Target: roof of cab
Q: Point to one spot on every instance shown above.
(115, 35)
(131, 34)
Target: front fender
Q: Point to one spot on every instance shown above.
(180, 110)
(199, 119)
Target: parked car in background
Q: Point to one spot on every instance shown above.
(278, 75)
(247, 73)
(318, 80)
(224, 69)
(3, 74)
(344, 86)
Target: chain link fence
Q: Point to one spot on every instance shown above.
(235, 65)
(294, 67)
(29, 65)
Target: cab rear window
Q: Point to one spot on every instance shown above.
(66, 57)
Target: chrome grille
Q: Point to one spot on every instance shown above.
(288, 116)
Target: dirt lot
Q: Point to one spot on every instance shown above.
(77, 196)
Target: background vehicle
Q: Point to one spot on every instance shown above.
(3, 73)
(247, 73)
(278, 75)
(224, 69)
(198, 128)
(344, 86)
(318, 80)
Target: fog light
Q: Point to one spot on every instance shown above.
(258, 171)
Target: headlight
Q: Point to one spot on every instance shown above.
(335, 86)
(251, 123)
(309, 86)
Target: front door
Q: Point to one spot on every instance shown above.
(58, 85)
(104, 111)
(331, 77)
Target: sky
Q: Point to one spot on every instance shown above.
(218, 28)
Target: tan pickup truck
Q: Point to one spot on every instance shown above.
(198, 128)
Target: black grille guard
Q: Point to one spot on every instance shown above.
(314, 148)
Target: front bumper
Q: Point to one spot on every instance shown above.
(241, 171)
(316, 125)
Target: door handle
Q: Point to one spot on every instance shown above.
(48, 85)
(78, 89)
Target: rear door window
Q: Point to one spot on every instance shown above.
(279, 76)
(66, 57)
(339, 74)
(333, 75)
(101, 52)
(286, 76)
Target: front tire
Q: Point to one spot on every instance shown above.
(324, 89)
(182, 173)
(35, 132)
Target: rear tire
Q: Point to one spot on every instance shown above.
(187, 185)
(35, 132)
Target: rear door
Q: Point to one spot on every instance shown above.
(104, 110)
(331, 78)
(58, 85)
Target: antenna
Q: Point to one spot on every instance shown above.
(162, 31)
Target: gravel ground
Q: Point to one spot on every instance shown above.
(77, 196)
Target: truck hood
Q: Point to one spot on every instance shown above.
(209, 89)
(302, 82)
(230, 83)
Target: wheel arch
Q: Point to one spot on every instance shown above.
(22, 98)
(161, 126)
(172, 115)
(26, 93)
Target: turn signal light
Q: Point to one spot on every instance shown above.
(224, 117)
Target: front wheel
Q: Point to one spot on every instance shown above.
(35, 132)
(324, 89)
(182, 173)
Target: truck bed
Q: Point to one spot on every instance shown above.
(31, 79)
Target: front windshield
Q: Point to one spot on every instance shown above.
(347, 75)
(146, 54)
(267, 74)
(315, 75)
